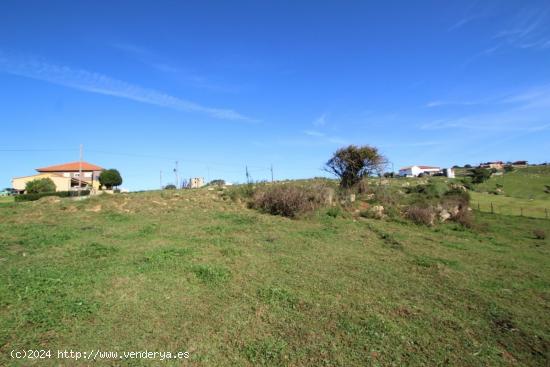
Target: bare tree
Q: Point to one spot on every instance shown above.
(352, 163)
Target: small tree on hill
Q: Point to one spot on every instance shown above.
(170, 187)
(110, 178)
(40, 185)
(508, 168)
(480, 175)
(352, 163)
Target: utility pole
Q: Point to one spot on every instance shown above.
(177, 176)
(161, 179)
(80, 172)
(272, 173)
(247, 175)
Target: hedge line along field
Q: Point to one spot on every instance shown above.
(190, 271)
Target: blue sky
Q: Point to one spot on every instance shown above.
(221, 85)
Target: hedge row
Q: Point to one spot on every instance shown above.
(62, 194)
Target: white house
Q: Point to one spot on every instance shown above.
(415, 171)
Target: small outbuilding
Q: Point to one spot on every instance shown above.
(415, 171)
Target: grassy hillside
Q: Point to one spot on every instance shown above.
(536, 208)
(525, 183)
(188, 271)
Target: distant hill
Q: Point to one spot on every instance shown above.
(525, 182)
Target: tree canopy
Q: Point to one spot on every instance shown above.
(109, 178)
(352, 163)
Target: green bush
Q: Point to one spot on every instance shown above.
(239, 192)
(480, 175)
(40, 185)
(62, 194)
(110, 178)
(432, 190)
(334, 212)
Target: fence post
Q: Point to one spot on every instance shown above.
(492, 210)
(546, 212)
(521, 212)
(478, 209)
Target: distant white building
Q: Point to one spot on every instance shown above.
(415, 171)
(196, 182)
(449, 172)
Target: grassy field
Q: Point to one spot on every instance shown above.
(523, 183)
(536, 208)
(188, 271)
(6, 199)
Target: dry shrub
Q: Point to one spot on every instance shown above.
(421, 214)
(463, 217)
(539, 234)
(288, 200)
(362, 187)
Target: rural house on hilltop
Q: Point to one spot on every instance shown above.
(65, 176)
(415, 171)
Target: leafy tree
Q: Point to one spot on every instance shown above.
(467, 166)
(352, 163)
(480, 175)
(109, 178)
(170, 187)
(40, 185)
(508, 168)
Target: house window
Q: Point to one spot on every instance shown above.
(76, 174)
(87, 174)
(66, 174)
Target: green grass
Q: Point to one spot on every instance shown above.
(6, 199)
(536, 208)
(190, 271)
(523, 182)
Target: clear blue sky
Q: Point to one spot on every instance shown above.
(220, 85)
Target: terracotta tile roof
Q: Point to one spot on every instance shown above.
(70, 167)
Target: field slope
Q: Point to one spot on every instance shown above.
(188, 271)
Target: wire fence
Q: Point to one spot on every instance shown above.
(513, 210)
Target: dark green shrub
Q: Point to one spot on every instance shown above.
(458, 197)
(334, 212)
(110, 178)
(479, 175)
(239, 192)
(62, 194)
(432, 190)
(217, 182)
(40, 185)
(170, 187)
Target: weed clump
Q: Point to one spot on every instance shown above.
(424, 215)
(539, 234)
(288, 200)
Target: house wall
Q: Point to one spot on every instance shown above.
(61, 183)
(195, 183)
(89, 177)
